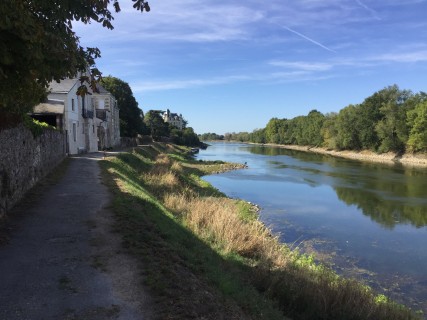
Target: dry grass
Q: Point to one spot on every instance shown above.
(212, 218)
(218, 219)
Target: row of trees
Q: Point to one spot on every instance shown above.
(389, 120)
(211, 136)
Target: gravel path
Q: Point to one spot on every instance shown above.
(63, 261)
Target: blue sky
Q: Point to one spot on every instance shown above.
(233, 65)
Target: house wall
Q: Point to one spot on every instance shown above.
(80, 132)
(24, 160)
(115, 124)
(101, 124)
(110, 127)
(173, 119)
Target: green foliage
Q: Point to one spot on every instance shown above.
(39, 45)
(392, 130)
(155, 124)
(258, 136)
(131, 117)
(210, 136)
(247, 211)
(36, 127)
(379, 114)
(302, 130)
(329, 131)
(185, 137)
(313, 126)
(241, 136)
(417, 120)
(347, 133)
(272, 130)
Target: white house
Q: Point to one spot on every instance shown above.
(79, 123)
(107, 119)
(77, 116)
(174, 119)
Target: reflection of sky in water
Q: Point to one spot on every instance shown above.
(304, 198)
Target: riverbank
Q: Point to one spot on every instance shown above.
(204, 255)
(419, 160)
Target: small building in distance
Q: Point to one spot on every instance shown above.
(173, 119)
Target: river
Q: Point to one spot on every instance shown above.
(365, 220)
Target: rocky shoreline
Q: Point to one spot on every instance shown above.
(408, 159)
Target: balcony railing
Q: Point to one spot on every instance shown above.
(87, 113)
(101, 114)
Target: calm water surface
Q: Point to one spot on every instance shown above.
(366, 220)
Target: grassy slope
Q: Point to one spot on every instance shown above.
(206, 256)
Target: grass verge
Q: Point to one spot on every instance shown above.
(209, 257)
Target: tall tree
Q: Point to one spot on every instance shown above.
(417, 121)
(329, 131)
(369, 114)
(189, 137)
(155, 124)
(272, 130)
(258, 136)
(347, 133)
(131, 117)
(392, 129)
(314, 122)
(38, 45)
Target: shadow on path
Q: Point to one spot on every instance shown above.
(62, 261)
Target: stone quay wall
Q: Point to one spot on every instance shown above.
(24, 160)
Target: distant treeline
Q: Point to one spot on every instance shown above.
(389, 120)
(211, 136)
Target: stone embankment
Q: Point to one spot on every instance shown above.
(365, 155)
(230, 167)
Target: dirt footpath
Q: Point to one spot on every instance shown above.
(62, 260)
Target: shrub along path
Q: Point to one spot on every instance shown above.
(61, 259)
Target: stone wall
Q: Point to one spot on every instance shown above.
(24, 160)
(126, 142)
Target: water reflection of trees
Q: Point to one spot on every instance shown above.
(276, 151)
(386, 212)
(388, 194)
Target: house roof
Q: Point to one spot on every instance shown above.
(51, 106)
(64, 86)
(102, 90)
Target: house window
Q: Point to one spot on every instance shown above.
(93, 128)
(74, 132)
(72, 104)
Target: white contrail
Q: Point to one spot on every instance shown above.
(372, 11)
(309, 39)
